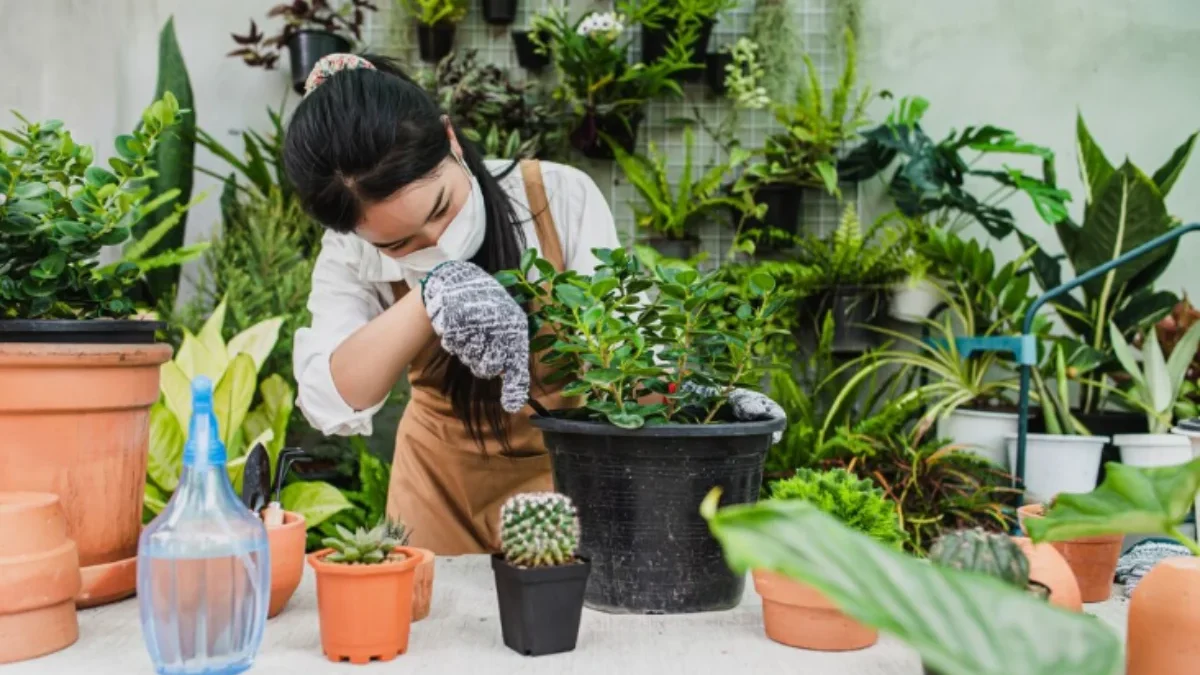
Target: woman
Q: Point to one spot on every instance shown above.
(376, 162)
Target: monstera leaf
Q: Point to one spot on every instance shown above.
(961, 623)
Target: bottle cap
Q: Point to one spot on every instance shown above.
(204, 439)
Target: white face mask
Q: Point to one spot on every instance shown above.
(461, 240)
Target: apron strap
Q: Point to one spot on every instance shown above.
(539, 206)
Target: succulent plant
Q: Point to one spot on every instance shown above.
(396, 529)
(977, 550)
(539, 529)
(361, 547)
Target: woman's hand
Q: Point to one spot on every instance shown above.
(482, 325)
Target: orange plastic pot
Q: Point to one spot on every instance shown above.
(39, 577)
(1164, 619)
(422, 596)
(365, 610)
(1048, 567)
(798, 616)
(287, 560)
(1092, 559)
(74, 422)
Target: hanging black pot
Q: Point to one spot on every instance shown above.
(854, 310)
(783, 203)
(678, 249)
(435, 42)
(528, 56)
(540, 607)
(500, 12)
(656, 42)
(306, 47)
(588, 135)
(716, 70)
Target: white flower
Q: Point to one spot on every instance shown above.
(608, 25)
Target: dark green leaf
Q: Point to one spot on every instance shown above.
(30, 190)
(570, 296)
(98, 177)
(527, 259)
(626, 420)
(602, 376)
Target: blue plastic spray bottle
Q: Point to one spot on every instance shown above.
(204, 573)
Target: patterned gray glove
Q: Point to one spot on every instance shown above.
(745, 404)
(482, 325)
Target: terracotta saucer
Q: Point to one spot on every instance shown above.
(107, 583)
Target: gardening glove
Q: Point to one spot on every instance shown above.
(482, 325)
(745, 404)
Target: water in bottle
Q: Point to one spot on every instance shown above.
(204, 573)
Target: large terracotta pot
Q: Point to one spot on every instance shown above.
(365, 610)
(422, 594)
(798, 616)
(39, 577)
(1092, 559)
(1164, 620)
(287, 560)
(1048, 567)
(74, 422)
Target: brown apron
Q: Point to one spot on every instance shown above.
(443, 485)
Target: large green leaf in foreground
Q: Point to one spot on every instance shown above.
(1131, 500)
(961, 623)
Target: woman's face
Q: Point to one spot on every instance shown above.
(415, 217)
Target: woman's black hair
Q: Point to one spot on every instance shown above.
(363, 135)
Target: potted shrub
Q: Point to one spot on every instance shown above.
(364, 594)
(540, 578)
(532, 52)
(662, 21)
(661, 418)
(673, 207)
(605, 95)
(312, 30)
(39, 577)
(70, 345)
(500, 12)
(799, 616)
(1092, 559)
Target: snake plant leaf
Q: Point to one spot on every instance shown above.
(1131, 500)
(961, 623)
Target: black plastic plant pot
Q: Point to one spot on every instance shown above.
(540, 607)
(528, 56)
(678, 249)
(1106, 423)
(716, 71)
(588, 135)
(500, 12)
(854, 311)
(307, 47)
(657, 41)
(435, 42)
(638, 493)
(783, 203)
(72, 332)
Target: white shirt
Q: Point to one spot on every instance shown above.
(351, 285)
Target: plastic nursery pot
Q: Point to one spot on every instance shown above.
(307, 47)
(981, 432)
(500, 12)
(540, 607)
(422, 593)
(854, 310)
(656, 42)
(435, 43)
(39, 577)
(365, 610)
(798, 616)
(96, 464)
(1164, 619)
(783, 202)
(715, 71)
(528, 56)
(1150, 450)
(588, 135)
(679, 249)
(1057, 463)
(1106, 423)
(638, 492)
(1092, 559)
(914, 301)
(287, 560)
(1049, 568)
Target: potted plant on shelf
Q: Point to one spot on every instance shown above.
(597, 85)
(312, 30)
(662, 21)
(437, 22)
(500, 12)
(532, 53)
(799, 616)
(540, 578)
(662, 418)
(673, 214)
(364, 594)
(71, 343)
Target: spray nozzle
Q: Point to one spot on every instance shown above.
(204, 438)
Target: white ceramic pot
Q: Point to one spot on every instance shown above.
(913, 301)
(981, 432)
(1193, 438)
(1056, 463)
(1149, 450)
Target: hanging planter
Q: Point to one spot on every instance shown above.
(854, 309)
(678, 249)
(656, 42)
(588, 136)
(913, 301)
(783, 202)
(1056, 463)
(1092, 559)
(306, 47)
(500, 12)
(716, 71)
(528, 56)
(435, 42)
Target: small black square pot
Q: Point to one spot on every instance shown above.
(540, 607)
(435, 42)
(854, 310)
(656, 42)
(307, 47)
(588, 135)
(500, 12)
(528, 56)
(715, 71)
(783, 203)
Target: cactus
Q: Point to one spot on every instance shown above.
(362, 547)
(539, 529)
(976, 550)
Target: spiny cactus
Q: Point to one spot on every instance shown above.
(362, 547)
(539, 529)
(989, 553)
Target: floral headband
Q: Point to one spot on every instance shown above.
(330, 65)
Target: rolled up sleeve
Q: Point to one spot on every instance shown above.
(340, 304)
